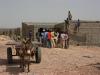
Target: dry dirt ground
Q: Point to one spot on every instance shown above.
(76, 60)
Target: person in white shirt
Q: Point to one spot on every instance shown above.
(66, 44)
(62, 39)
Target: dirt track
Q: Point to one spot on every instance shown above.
(73, 61)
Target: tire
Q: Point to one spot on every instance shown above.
(9, 55)
(38, 55)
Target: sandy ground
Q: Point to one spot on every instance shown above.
(76, 60)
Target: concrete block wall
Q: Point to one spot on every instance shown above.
(26, 29)
(92, 31)
(89, 30)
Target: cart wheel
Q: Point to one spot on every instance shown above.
(9, 55)
(38, 55)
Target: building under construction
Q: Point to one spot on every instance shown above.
(89, 32)
(34, 27)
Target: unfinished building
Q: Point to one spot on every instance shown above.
(32, 26)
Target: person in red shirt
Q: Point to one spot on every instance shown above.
(49, 39)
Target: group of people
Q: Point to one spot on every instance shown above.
(53, 39)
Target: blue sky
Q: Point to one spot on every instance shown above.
(13, 12)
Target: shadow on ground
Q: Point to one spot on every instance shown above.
(97, 65)
(12, 69)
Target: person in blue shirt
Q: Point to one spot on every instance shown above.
(44, 37)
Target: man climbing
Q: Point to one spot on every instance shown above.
(66, 24)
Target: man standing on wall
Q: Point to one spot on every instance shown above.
(78, 25)
(69, 16)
